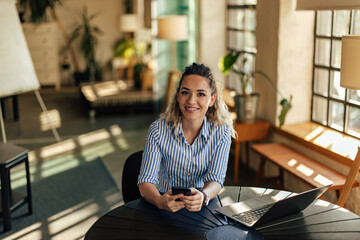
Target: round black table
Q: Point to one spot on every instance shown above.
(140, 220)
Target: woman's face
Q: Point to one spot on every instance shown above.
(194, 97)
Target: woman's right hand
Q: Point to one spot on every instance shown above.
(167, 202)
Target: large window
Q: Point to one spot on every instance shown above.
(241, 25)
(332, 105)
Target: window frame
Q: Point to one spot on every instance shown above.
(239, 5)
(346, 102)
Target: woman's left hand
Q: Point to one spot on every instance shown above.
(195, 201)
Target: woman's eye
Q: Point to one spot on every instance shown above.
(202, 94)
(184, 92)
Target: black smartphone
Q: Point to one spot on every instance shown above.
(178, 190)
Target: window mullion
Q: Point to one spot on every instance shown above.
(329, 77)
(346, 106)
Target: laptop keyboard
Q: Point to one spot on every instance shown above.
(252, 215)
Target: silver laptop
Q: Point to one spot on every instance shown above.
(263, 209)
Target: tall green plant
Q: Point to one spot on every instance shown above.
(37, 10)
(88, 34)
(228, 63)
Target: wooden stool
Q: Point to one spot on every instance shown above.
(10, 156)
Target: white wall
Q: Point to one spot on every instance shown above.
(284, 53)
(107, 20)
(295, 55)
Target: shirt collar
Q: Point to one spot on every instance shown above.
(204, 131)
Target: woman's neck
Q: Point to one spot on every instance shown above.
(191, 130)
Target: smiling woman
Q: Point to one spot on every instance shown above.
(194, 99)
(189, 145)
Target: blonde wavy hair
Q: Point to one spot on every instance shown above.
(218, 113)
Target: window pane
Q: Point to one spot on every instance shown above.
(322, 54)
(249, 66)
(319, 110)
(231, 39)
(335, 90)
(236, 40)
(236, 2)
(337, 111)
(250, 41)
(356, 22)
(323, 24)
(239, 44)
(321, 78)
(230, 18)
(236, 18)
(233, 82)
(354, 121)
(336, 53)
(250, 19)
(251, 2)
(341, 22)
(354, 96)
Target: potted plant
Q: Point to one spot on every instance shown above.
(88, 34)
(37, 12)
(131, 55)
(246, 103)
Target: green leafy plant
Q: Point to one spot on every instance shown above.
(37, 12)
(88, 34)
(37, 9)
(124, 48)
(228, 63)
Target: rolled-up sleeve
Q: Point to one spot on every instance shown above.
(218, 165)
(150, 165)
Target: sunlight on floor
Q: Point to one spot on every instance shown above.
(73, 222)
(62, 166)
(50, 119)
(31, 232)
(64, 221)
(62, 224)
(92, 137)
(54, 149)
(65, 155)
(113, 136)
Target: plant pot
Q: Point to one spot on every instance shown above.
(81, 77)
(138, 68)
(246, 107)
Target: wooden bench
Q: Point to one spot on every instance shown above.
(308, 170)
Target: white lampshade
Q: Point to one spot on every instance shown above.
(350, 62)
(173, 27)
(128, 23)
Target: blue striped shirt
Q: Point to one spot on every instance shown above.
(169, 161)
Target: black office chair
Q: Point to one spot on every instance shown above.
(130, 190)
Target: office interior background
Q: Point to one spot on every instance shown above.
(298, 48)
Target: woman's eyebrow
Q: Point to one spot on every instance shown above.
(198, 90)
